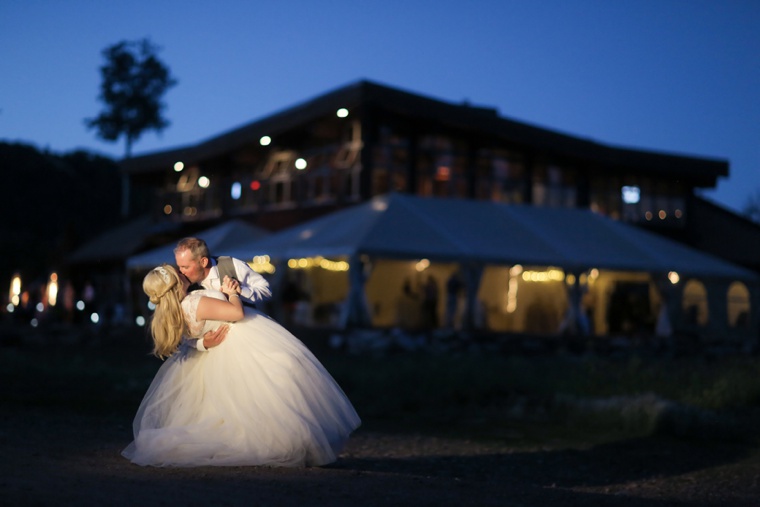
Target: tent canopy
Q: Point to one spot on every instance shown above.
(220, 240)
(459, 230)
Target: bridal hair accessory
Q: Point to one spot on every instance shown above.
(167, 279)
(164, 274)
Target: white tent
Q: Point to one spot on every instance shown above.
(403, 226)
(477, 233)
(221, 240)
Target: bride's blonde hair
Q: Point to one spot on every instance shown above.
(162, 285)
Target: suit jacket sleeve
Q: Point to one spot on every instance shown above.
(253, 286)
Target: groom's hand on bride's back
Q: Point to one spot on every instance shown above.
(215, 337)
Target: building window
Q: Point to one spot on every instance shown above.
(499, 176)
(187, 179)
(637, 199)
(351, 146)
(554, 187)
(605, 196)
(390, 162)
(380, 181)
(278, 179)
(442, 167)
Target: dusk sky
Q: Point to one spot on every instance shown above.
(677, 76)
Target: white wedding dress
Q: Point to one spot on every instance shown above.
(259, 398)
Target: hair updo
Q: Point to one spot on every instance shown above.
(163, 288)
(160, 281)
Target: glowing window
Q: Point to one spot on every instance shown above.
(631, 194)
(694, 303)
(738, 305)
(236, 190)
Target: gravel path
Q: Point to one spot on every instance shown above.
(65, 458)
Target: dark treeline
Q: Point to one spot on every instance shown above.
(52, 204)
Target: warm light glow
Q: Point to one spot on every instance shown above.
(515, 270)
(662, 214)
(52, 289)
(317, 262)
(570, 279)
(255, 185)
(265, 141)
(329, 265)
(443, 173)
(648, 215)
(168, 209)
(262, 264)
(342, 112)
(422, 265)
(674, 277)
(593, 274)
(301, 164)
(550, 275)
(512, 294)
(204, 182)
(190, 211)
(178, 166)
(15, 290)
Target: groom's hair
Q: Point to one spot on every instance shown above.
(197, 247)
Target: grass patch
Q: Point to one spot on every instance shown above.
(570, 396)
(417, 381)
(425, 391)
(77, 378)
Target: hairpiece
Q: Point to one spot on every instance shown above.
(164, 274)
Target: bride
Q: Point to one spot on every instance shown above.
(259, 398)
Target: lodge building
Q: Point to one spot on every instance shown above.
(365, 140)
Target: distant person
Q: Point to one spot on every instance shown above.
(430, 302)
(259, 398)
(454, 287)
(408, 308)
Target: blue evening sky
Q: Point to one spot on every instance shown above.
(679, 76)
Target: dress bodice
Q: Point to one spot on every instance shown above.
(197, 328)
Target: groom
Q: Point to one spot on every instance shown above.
(196, 264)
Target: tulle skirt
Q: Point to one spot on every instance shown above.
(259, 398)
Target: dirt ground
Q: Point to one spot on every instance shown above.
(54, 454)
(64, 458)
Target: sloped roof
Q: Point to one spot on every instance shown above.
(220, 239)
(482, 120)
(403, 226)
(117, 244)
